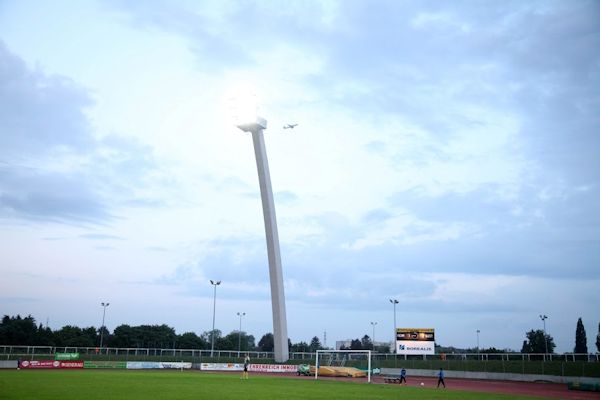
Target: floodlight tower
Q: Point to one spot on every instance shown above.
(212, 335)
(544, 318)
(256, 127)
(240, 332)
(104, 305)
(373, 325)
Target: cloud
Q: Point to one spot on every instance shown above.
(446, 152)
(18, 300)
(52, 167)
(100, 236)
(39, 112)
(285, 197)
(41, 196)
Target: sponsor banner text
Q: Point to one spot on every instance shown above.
(40, 364)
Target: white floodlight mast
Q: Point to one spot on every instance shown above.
(280, 335)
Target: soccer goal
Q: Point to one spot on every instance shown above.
(343, 363)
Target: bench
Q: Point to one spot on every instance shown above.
(392, 379)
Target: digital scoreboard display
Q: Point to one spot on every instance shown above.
(415, 341)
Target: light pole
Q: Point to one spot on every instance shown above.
(280, 335)
(104, 305)
(394, 302)
(544, 318)
(240, 333)
(478, 343)
(373, 325)
(212, 335)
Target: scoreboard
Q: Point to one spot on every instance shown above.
(415, 341)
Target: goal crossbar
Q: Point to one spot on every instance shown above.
(366, 352)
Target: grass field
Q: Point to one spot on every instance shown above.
(176, 385)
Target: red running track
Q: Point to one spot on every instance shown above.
(534, 389)
(543, 390)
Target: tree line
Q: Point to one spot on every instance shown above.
(540, 342)
(365, 344)
(25, 331)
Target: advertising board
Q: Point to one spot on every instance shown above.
(221, 367)
(35, 364)
(71, 364)
(415, 341)
(269, 368)
(143, 365)
(176, 365)
(273, 368)
(158, 365)
(105, 364)
(66, 356)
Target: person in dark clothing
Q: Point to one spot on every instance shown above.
(441, 378)
(403, 376)
(246, 364)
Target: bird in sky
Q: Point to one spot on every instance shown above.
(290, 126)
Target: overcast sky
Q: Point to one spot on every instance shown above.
(447, 154)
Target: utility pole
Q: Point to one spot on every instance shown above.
(544, 318)
(104, 305)
(212, 335)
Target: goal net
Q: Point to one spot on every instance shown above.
(343, 363)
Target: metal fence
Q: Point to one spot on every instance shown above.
(9, 352)
(582, 365)
(133, 354)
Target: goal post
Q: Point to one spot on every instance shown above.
(344, 359)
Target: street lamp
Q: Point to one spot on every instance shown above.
(394, 302)
(104, 305)
(280, 336)
(240, 333)
(544, 318)
(478, 343)
(212, 336)
(373, 325)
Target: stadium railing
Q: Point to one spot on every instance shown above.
(543, 364)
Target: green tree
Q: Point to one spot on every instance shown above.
(143, 336)
(382, 349)
(124, 336)
(162, 336)
(580, 338)
(235, 339)
(366, 343)
(18, 331)
(266, 343)
(103, 333)
(492, 350)
(536, 342)
(73, 336)
(356, 345)
(208, 336)
(228, 342)
(315, 344)
(300, 347)
(189, 340)
(598, 339)
(45, 336)
(251, 341)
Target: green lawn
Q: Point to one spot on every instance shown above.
(176, 385)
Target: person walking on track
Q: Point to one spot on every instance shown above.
(403, 376)
(441, 378)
